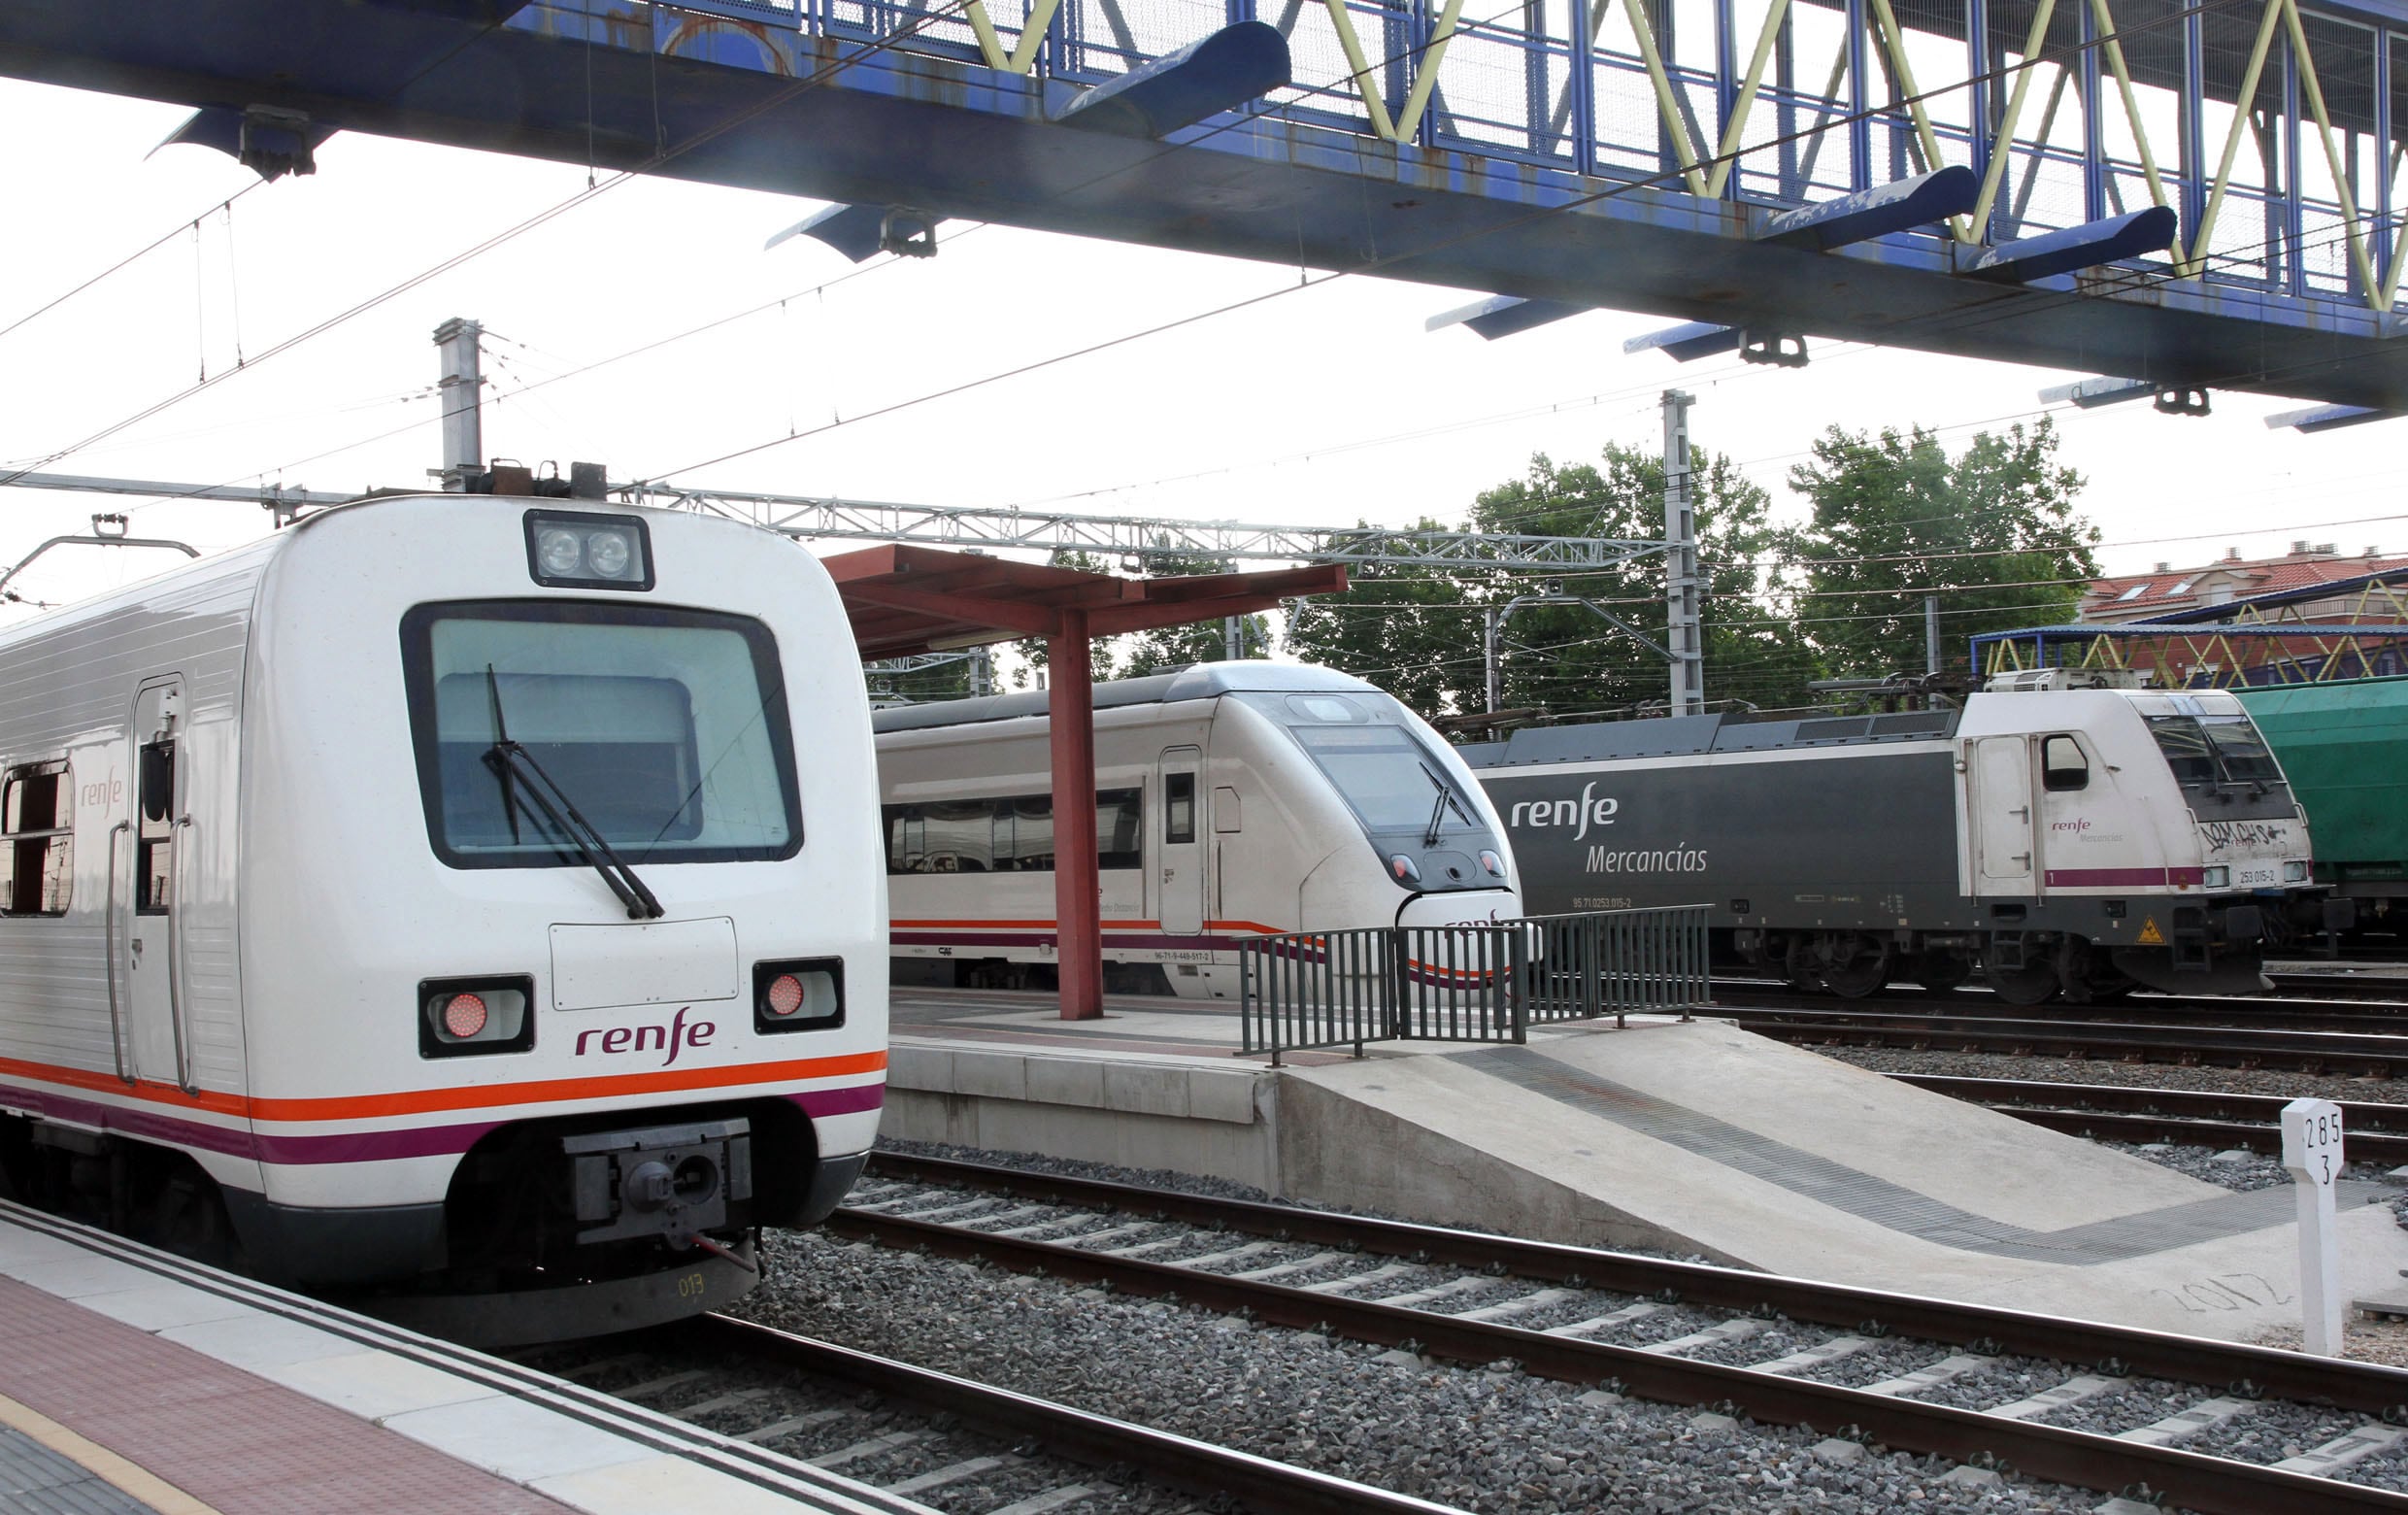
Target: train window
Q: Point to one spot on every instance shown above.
(1024, 833)
(666, 728)
(1391, 783)
(2062, 767)
(37, 814)
(154, 827)
(2241, 749)
(1327, 709)
(2184, 747)
(1178, 807)
(1012, 834)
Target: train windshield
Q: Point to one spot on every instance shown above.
(666, 729)
(2209, 749)
(1380, 765)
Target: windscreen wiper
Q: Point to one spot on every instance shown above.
(1438, 809)
(507, 759)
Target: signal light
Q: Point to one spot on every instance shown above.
(463, 1015)
(784, 996)
(798, 994)
(469, 1017)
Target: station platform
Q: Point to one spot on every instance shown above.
(1690, 1137)
(135, 1383)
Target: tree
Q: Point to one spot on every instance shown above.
(1992, 534)
(1570, 658)
(1409, 628)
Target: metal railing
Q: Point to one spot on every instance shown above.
(1473, 982)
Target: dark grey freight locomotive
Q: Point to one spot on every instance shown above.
(2074, 843)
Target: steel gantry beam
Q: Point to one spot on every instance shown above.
(1141, 537)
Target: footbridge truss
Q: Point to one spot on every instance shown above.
(2178, 195)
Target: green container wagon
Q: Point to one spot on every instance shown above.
(2344, 746)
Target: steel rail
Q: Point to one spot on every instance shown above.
(2216, 1486)
(2377, 1132)
(2378, 1391)
(2365, 1014)
(2312, 1052)
(1200, 1467)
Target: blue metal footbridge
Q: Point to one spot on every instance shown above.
(2176, 195)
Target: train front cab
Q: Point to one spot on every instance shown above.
(2119, 838)
(567, 955)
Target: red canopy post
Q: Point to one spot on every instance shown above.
(1077, 896)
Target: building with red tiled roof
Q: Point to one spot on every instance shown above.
(2167, 590)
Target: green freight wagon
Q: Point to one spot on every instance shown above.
(2344, 746)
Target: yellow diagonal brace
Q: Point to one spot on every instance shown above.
(2241, 102)
(1738, 122)
(2000, 145)
(2375, 292)
(1365, 84)
(1665, 101)
(1022, 59)
(2131, 112)
(1425, 73)
(1894, 42)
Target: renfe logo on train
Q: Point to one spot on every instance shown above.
(1565, 812)
(672, 1038)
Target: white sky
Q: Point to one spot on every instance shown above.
(1323, 406)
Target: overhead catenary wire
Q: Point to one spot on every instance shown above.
(661, 157)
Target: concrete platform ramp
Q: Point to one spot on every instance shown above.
(1702, 1137)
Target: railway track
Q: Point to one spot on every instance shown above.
(948, 1443)
(2378, 1134)
(2369, 1015)
(1877, 1024)
(1556, 1310)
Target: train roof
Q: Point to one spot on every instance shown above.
(1198, 681)
(1686, 736)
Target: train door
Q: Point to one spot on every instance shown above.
(1182, 850)
(2002, 816)
(143, 872)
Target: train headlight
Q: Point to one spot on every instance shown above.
(2216, 878)
(463, 1017)
(582, 550)
(2294, 873)
(1403, 869)
(1493, 863)
(609, 553)
(798, 994)
(559, 551)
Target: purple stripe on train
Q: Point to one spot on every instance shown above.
(387, 1146)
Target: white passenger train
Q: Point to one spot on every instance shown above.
(1232, 799)
(436, 892)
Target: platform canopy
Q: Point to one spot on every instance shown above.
(906, 600)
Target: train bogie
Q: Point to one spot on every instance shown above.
(445, 894)
(2079, 843)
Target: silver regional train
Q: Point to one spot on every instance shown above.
(1234, 799)
(434, 903)
(2066, 842)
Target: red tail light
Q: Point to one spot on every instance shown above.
(463, 1015)
(784, 996)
